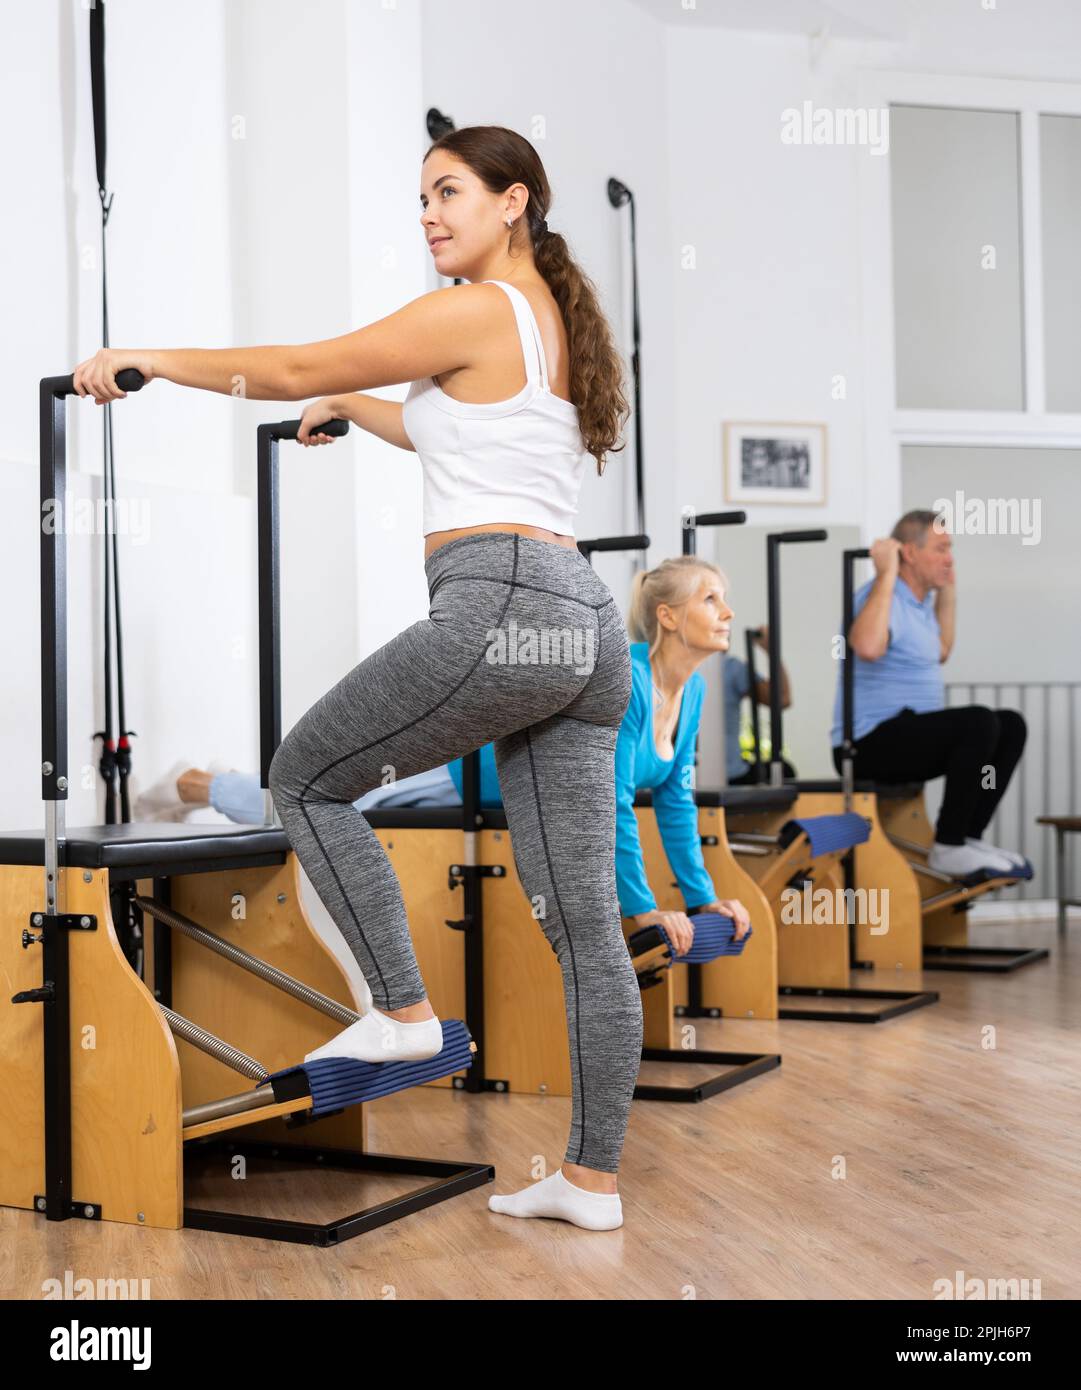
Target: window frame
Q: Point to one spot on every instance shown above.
(887, 427)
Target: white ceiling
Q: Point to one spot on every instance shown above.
(849, 19)
(1044, 25)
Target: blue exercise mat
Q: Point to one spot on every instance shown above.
(827, 833)
(335, 1082)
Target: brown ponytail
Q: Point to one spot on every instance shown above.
(500, 157)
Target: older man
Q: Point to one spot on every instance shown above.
(902, 632)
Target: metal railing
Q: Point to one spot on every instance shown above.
(1046, 780)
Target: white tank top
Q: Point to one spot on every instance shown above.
(515, 460)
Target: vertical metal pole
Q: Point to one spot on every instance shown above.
(1045, 791)
(473, 912)
(848, 751)
(1023, 692)
(1060, 877)
(752, 676)
(162, 983)
(1071, 704)
(691, 520)
(54, 790)
(1071, 693)
(636, 363)
(848, 677)
(270, 712)
(773, 583)
(689, 544)
(54, 626)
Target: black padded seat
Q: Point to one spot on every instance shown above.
(827, 784)
(147, 849)
(758, 798)
(897, 791)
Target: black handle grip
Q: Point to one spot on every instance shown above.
(130, 379)
(335, 428)
(782, 537)
(716, 519)
(639, 542)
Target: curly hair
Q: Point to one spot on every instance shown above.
(500, 157)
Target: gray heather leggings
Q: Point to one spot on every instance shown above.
(523, 646)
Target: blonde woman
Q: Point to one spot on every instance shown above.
(679, 618)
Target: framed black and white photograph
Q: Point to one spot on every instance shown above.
(780, 463)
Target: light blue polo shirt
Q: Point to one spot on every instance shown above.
(908, 675)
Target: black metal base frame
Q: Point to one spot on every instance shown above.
(904, 1002)
(1006, 958)
(745, 1065)
(452, 1180)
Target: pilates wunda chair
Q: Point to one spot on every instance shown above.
(785, 837)
(495, 965)
(102, 1115)
(944, 901)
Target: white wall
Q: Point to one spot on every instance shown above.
(231, 131)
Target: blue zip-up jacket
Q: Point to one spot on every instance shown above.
(638, 766)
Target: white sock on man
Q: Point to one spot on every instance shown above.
(375, 1037)
(1011, 855)
(556, 1196)
(959, 860)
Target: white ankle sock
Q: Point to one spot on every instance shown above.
(960, 860)
(556, 1196)
(1011, 855)
(375, 1037)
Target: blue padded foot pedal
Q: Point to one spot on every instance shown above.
(714, 936)
(827, 833)
(335, 1082)
(979, 876)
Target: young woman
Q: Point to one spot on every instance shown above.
(515, 380)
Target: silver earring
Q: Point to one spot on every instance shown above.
(510, 222)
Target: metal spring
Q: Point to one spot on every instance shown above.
(269, 973)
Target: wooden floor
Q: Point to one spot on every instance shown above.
(957, 1156)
